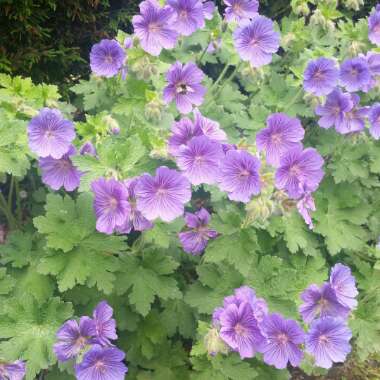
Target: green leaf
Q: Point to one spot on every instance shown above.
(29, 332)
(146, 279)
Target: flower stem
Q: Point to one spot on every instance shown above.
(18, 202)
(295, 98)
(220, 77)
(204, 51)
(229, 79)
(10, 192)
(6, 211)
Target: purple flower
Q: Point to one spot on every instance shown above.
(184, 86)
(61, 172)
(321, 76)
(304, 206)
(134, 219)
(355, 74)
(260, 309)
(321, 302)
(210, 128)
(50, 134)
(374, 120)
(87, 148)
(196, 239)
(189, 15)
(110, 204)
(182, 132)
(73, 338)
(208, 9)
(240, 331)
(199, 160)
(300, 171)
(343, 283)
(102, 363)
(354, 120)
(328, 341)
(104, 323)
(257, 41)
(374, 27)
(154, 27)
(283, 337)
(164, 195)
(12, 371)
(239, 175)
(107, 58)
(241, 10)
(282, 133)
(373, 60)
(332, 112)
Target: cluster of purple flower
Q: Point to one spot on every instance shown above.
(342, 109)
(298, 171)
(88, 344)
(50, 137)
(12, 371)
(246, 326)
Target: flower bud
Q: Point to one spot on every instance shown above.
(354, 4)
(144, 68)
(112, 124)
(214, 343)
(259, 209)
(153, 110)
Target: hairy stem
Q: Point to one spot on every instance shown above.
(7, 213)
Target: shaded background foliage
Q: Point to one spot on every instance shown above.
(50, 40)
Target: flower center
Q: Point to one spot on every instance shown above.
(276, 138)
(323, 303)
(64, 165)
(282, 338)
(113, 203)
(240, 330)
(198, 159)
(237, 9)
(295, 171)
(376, 29)
(183, 14)
(244, 173)
(49, 134)
(318, 75)
(99, 365)
(80, 342)
(336, 110)
(323, 339)
(354, 72)
(161, 191)
(109, 58)
(254, 42)
(183, 89)
(154, 27)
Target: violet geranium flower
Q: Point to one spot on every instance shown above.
(199, 160)
(182, 132)
(332, 112)
(304, 206)
(210, 128)
(355, 74)
(105, 325)
(241, 10)
(208, 9)
(374, 120)
(282, 133)
(154, 27)
(72, 338)
(189, 15)
(107, 58)
(135, 220)
(283, 340)
(321, 76)
(87, 148)
(321, 302)
(300, 172)
(105, 363)
(343, 283)
(50, 134)
(257, 41)
(164, 195)
(239, 175)
(12, 371)
(195, 240)
(374, 26)
(184, 86)
(354, 120)
(60, 172)
(110, 204)
(328, 341)
(239, 330)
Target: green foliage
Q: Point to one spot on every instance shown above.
(55, 265)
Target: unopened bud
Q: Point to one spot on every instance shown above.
(214, 343)
(302, 9)
(112, 124)
(354, 4)
(144, 68)
(153, 110)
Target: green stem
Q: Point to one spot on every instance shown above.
(229, 79)
(199, 60)
(295, 98)
(4, 208)
(10, 193)
(220, 77)
(18, 202)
